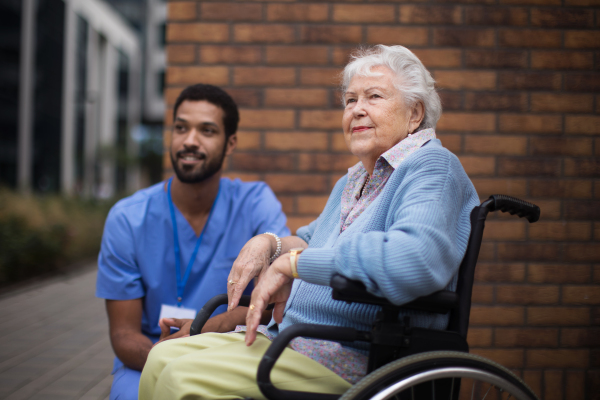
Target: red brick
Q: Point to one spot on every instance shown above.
(181, 11)
(272, 33)
(467, 122)
(582, 3)
(181, 54)
(450, 100)
(262, 162)
(287, 204)
(557, 146)
(527, 294)
(248, 140)
(331, 34)
(298, 222)
(244, 97)
(486, 144)
(561, 103)
(531, 123)
(528, 81)
(296, 97)
(341, 55)
(571, 189)
(562, 60)
(499, 272)
(474, 165)
(326, 162)
(497, 316)
(311, 204)
(329, 119)
(560, 231)
(527, 251)
(463, 37)
(230, 54)
(496, 59)
(584, 124)
(311, 55)
(510, 187)
(296, 141)
(596, 230)
(406, 36)
(482, 294)
(481, 101)
(582, 39)
(430, 14)
(450, 141)
(504, 230)
(558, 316)
(268, 119)
(297, 183)
(192, 75)
(297, 12)
(580, 337)
(525, 337)
(582, 82)
(582, 209)
(562, 18)
(479, 337)
(557, 358)
(533, 2)
(320, 77)
(512, 358)
(578, 294)
(439, 58)
(225, 11)
(582, 167)
(264, 76)
(533, 379)
(529, 38)
(553, 385)
(487, 252)
(197, 32)
(496, 16)
(582, 252)
(171, 94)
(363, 13)
(575, 385)
(466, 80)
(521, 166)
(338, 143)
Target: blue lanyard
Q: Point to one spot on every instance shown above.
(181, 282)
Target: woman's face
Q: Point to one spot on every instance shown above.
(376, 117)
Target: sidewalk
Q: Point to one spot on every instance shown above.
(54, 341)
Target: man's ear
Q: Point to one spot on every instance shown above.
(416, 117)
(231, 144)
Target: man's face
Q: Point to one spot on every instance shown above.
(198, 145)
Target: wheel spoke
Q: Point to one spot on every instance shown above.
(486, 393)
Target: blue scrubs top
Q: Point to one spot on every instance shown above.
(137, 256)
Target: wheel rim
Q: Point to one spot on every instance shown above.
(453, 372)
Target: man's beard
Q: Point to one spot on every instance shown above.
(189, 175)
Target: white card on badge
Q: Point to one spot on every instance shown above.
(167, 311)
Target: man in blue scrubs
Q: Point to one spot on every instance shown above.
(169, 248)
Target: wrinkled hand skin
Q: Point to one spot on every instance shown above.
(252, 261)
(274, 286)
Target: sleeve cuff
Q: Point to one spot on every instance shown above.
(316, 266)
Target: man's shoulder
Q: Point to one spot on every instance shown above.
(240, 190)
(139, 200)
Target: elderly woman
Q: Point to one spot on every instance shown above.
(398, 222)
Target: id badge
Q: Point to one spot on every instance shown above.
(167, 311)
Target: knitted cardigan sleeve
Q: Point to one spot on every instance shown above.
(426, 212)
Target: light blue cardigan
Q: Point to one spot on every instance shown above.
(408, 243)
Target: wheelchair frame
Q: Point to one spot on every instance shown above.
(393, 340)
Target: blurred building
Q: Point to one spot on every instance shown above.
(71, 89)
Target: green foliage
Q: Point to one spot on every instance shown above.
(41, 234)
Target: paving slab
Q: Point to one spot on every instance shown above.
(55, 344)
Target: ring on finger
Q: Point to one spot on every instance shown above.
(231, 282)
(252, 306)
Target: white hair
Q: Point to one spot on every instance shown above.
(413, 80)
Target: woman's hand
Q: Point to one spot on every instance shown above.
(274, 286)
(252, 260)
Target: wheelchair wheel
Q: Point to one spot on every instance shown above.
(441, 375)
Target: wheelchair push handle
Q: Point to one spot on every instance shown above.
(513, 206)
(209, 308)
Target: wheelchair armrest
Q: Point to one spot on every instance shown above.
(355, 292)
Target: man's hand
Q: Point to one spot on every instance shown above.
(167, 323)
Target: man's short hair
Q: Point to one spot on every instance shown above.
(216, 96)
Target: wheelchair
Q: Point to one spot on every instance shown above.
(407, 362)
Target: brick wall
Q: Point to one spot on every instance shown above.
(519, 84)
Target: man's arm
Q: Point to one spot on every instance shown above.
(125, 326)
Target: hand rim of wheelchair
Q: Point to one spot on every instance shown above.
(407, 372)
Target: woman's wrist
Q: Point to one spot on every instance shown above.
(276, 252)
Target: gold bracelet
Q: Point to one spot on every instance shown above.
(294, 253)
